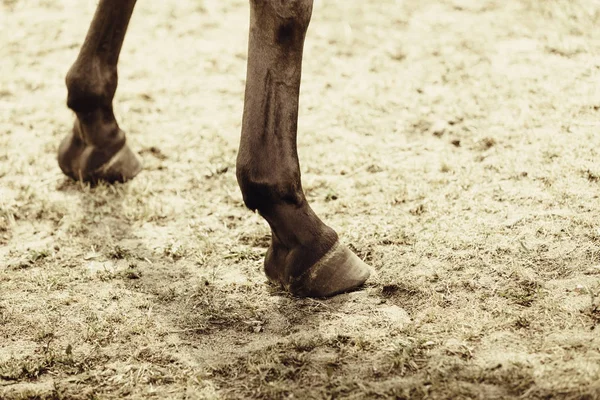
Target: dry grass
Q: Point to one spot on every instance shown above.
(469, 179)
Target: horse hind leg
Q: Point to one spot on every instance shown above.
(96, 148)
(305, 256)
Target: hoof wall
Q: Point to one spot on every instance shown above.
(86, 163)
(338, 271)
(122, 167)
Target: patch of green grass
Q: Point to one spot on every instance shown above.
(175, 251)
(38, 255)
(31, 259)
(119, 253)
(406, 357)
(523, 292)
(211, 308)
(132, 272)
(280, 371)
(48, 359)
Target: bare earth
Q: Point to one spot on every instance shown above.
(452, 143)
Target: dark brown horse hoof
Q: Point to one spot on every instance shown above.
(338, 271)
(87, 163)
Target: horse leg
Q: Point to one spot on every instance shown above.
(96, 148)
(305, 256)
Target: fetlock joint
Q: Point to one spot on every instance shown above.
(262, 194)
(91, 86)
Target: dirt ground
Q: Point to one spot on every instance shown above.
(452, 143)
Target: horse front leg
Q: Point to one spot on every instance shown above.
(305, 256)
(96, 148)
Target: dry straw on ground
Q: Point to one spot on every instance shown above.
(469, 178)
